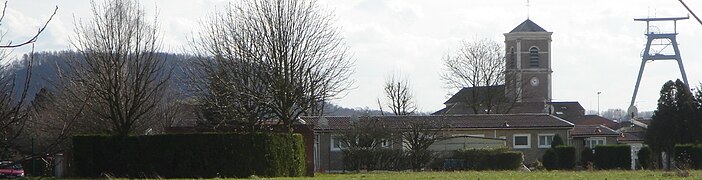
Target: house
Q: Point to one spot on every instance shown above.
(589, 136)
(529, 133)
(594, 120)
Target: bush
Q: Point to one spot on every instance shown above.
(586, 156)
(566, 157)
(374, 159)
(690, 154)
(190, 155)
(488, 159)
(613, 157)
(557, 141)
(644, 156)
(550, 159)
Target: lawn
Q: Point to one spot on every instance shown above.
(512, 175)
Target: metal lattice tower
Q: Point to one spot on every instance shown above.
(649, 55)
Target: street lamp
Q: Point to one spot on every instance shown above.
(598, 102)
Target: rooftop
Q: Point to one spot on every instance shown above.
(528, 26)
(480, 121)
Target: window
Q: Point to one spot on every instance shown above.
(533, 57)
(594, 141)
(336, 144)
(521, 141)
(545, 140)
(512, 59)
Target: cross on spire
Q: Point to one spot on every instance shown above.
(527, 6)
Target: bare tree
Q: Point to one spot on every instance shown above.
(120, 75)
(362, 142)
(291, 46)
(480, 66)
(417, 137)
(399, 96)
(13, 104)
(220, 84)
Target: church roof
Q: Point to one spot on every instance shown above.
(480, 93)
(528, 26)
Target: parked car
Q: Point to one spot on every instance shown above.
(9, 170)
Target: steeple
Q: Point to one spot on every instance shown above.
(528, 26)
(528, 63)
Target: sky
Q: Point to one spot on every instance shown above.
(596, 45)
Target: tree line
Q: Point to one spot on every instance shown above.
(676, 120)
(254, 61)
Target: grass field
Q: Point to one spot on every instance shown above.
(512, 175)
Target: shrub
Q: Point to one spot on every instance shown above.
(644, 156)
(489, 159)
(586, 156)
(566, 157)
(550, 159)
(355, 159)
(690, 154)
(613, 157)
(190, 155)
(557, 141)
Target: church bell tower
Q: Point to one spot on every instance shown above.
(528, 63)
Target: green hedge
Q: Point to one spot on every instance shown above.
(613, 157)
(489, 159)
(559, 157)
(586, 157)
(550, 159)
(356, 159)
(566, 157)
(189, 155)
(645, 158)
(689, 154)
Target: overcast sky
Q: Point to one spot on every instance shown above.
(596, 44)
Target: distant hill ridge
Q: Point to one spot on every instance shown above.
(45, 63)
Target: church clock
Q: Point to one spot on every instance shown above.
(534, 81)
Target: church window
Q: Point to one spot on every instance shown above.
(534, 57)
(512, 59)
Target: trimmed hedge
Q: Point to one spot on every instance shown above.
(645, 158)
(613, 157)
(586, 157)
(550, 159)
(356, 159)
(689, 154)
(566, 157)
(189, 155)
(559, 157)
(488, 159)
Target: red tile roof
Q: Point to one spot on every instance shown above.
(631, 137)
(592, 131)
(594, 120)
(481, 121)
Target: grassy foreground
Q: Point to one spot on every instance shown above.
(512, 175)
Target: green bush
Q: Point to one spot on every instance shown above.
(356, 159)
(566, 157)
(613, 157)
(489, 159)
(586, 156)
(550, 159)
(689, 154)
(645, 157)
(557, 141)
(189, 155)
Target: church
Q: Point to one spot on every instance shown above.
(524, 117)
(528, 81)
